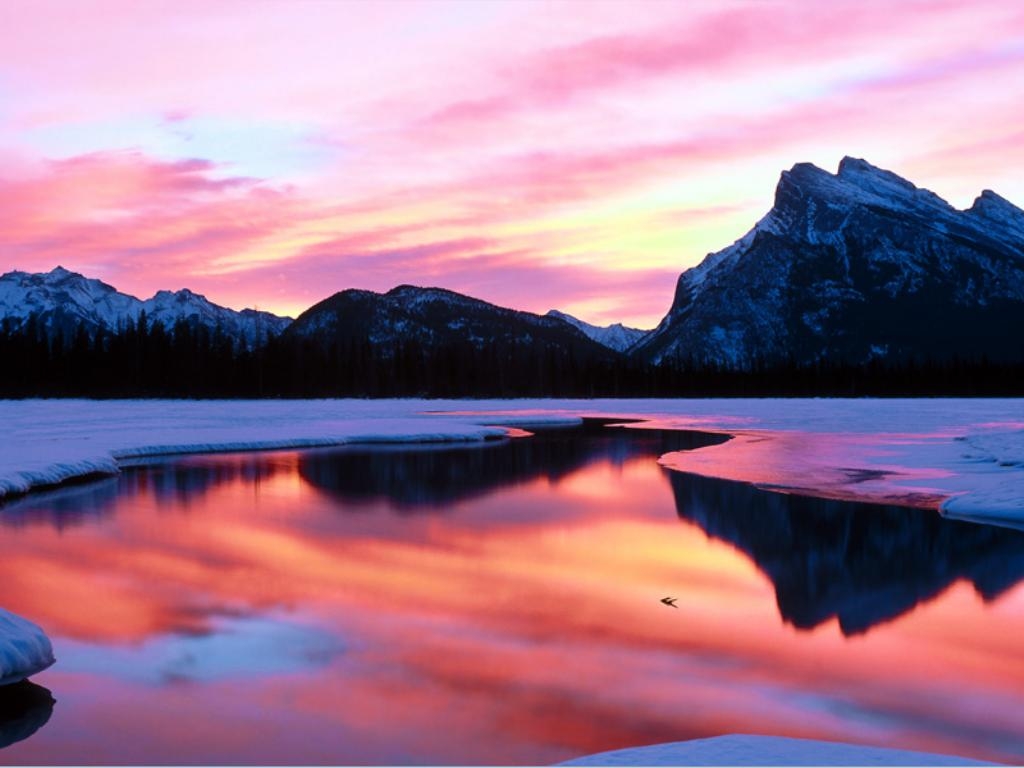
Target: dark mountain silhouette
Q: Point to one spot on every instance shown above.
(428, 341)
(856, 267)
(436, 319)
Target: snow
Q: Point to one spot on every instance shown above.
(101, 305)
(999, 213)
(24, 648)
(50, 442)
(617, 336)
(915, 242)
(766, 750)
(965, 456)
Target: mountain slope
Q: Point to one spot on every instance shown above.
(854, 266)
(618, 336)
(435, 318)
(61, 300)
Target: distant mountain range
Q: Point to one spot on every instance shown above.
(853, 267)
(62, 300)
(436, 319)
(619, 337)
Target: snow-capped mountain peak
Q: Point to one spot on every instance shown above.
(617, 336)
(997, 213)
(856, 265)
(62, 300)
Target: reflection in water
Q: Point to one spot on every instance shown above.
(433, 479)
(226, 650)
(171, 482)
(63, 507)
(862, 563)
(231, 608)
(24, 708)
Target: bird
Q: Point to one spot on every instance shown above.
(669, 601)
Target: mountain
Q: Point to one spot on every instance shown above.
(61, 300)
(429, 342)
(435, 318)
(853, 267)
(618, 336)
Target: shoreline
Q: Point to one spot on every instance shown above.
(820, 449)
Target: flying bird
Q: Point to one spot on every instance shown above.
(669, 601)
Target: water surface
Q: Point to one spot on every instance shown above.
(497, 604)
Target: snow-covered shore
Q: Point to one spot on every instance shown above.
(966, 456)
(48, 442)
(766, 750)
(24, 648)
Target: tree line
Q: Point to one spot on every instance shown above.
(186, 360)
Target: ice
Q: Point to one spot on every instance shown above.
(24, 648)
(766, 750)
(965, 456)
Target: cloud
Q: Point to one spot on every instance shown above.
(523, 278)
(496, 139)
(130, 215)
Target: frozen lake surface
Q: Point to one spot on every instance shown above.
(500, 602)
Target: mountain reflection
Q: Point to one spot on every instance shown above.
(426, 480)
(64, 507)
(289, 607)
(864, 564)
(169, 481)
(24, 708)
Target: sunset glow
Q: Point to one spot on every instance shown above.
(535, 155)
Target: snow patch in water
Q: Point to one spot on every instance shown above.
(741, 749)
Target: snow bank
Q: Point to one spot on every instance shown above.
(50, 442)
(24, 648)
(766, 750)
(1000, 500)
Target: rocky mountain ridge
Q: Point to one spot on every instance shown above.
(62, 300)
(617, 336)
(434, 318)
(855, 266)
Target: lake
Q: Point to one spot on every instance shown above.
(497, 604)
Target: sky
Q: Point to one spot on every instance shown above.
(572, 155)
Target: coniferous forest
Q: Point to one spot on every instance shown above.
(191, 361)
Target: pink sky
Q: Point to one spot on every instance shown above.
(534, 154)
